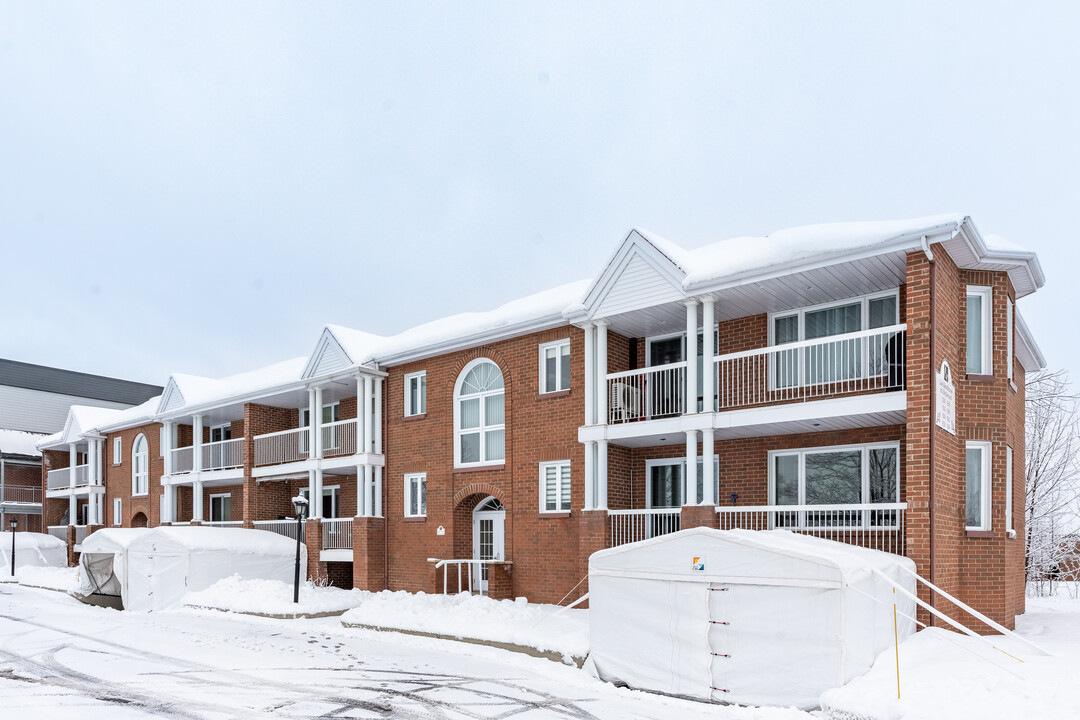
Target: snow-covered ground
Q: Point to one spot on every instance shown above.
(272, 597)
(64, 579)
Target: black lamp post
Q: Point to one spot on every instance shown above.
(14, 524)
(300, 504)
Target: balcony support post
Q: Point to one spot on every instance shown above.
(170, 504)
(376, 421)
(73, 503)
(311, 493)
(690, 475)
(601, 374)
(708, 352)
(196, 501)
(366, 495)
(690, 405)
(377, 496)
(590, 376)
(315, 417)
(196, 445)
(707, 466)
(316, 503)
(167, 447)
(365, 409)
(601, 473)
(590, 475)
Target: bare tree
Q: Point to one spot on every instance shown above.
(1052, 437)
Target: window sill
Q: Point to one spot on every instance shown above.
(415, 518)
(479, 468)
(554, 515)
(979, 378)
(418, 416)
(979, 533)
(553, 394)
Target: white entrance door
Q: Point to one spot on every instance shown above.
(489, 537)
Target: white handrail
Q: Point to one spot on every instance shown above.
(646, 370)
(337, 533)
(629, 526)
(444, 564)
(892, 329)
(223, 454)
(878, 526)
(281, 527)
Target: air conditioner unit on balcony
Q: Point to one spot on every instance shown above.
(625, 402)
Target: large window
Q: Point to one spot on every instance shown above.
(555, 366)
(977, 486)
(416, 393)
(555, 486)
(140, 472)
(416, 495)
(479, 420)
(220, 507)
(849, 475)
(979, 332)
(843, 359)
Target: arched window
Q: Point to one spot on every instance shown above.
(479, 430)
(140, 471)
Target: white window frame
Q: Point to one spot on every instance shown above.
(864, 314)
(223, 428)
(140, 479)
(558, 465)
(483, 428)
(1010, 527)
(117, 450)
(561, 383)
(987, 350)
(660, 338)
(1009, 338)
(420, 378)
(306, 412)
(681, 462)
(986, 451)
(117, 511)
(220, 495)
(421, 480)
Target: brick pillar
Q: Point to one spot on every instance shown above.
(249, 505)
(692, 516)
(594, 534)
(313, 541)
(369, 553)
(500, 581)
(72, 556)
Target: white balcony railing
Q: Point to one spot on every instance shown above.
(878, 526)
(80, 534)
(629, 526)
(646, 393)
(58, 531)
(21, 494)
(283, 446)
(812, 369)
(225, 523)
(183, 460)
(339, 438)
(337, 533)
(281, 527)
(60, 479)
(223, 454)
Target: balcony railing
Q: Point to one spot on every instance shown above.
(223, 454)
(21, 494)
(281, 527)
(225, 523)
(58, 531)
(337, 534)
(283, 446)
(80, 534)
(647, 393)
(339, 438)
(878, 526)
(629, 526)
(183, 460)
(60, 479)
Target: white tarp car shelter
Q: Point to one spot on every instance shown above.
(168, 562)
(32, 550)
(739, 616)
(103, 561)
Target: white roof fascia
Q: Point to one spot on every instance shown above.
(1023, 260)
(474, 340)
(1027, 350)
(654, 256)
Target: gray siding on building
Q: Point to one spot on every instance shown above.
(43, 412)
(80, 385)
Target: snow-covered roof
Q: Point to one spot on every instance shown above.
(186, 391)
(1027, 350)
(17, 442)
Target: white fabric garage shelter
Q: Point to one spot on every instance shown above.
(32, 550)
(103, 561)
(762, 618)
(168, 562)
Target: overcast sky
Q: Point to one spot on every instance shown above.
(200, 187)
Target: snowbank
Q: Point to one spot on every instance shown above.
(65, 579)
(273, 597)
(480, 618)
(31, 550)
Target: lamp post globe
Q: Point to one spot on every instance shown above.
(300, 505)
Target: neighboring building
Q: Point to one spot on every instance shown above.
(35, 400)
(862, 382)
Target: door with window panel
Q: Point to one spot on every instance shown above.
(489, 533)
(665, 491)
(666, 391)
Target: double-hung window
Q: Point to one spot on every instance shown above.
(416, 495)
(479, 415)
(555, 366)
(979, 331)
(977, 486)
(416, 393)
(555, 486)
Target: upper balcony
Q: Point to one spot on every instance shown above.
(219, 455)
(339, 438)
(21, 499)
(58, 483)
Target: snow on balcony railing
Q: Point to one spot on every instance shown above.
(878, 526)
(223, 454)
(647, 393)
(58, 531)
(337, 533)
(629, 526)
(812, 369)
(183, 460)
(21, 494)
(60, 479)
(339, 438)
(282, 447)
(281, 527)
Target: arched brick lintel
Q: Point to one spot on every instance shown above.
(479, 489)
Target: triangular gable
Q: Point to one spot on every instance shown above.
(328, 357)
(639, 275)
(71, 428)
(172, 398)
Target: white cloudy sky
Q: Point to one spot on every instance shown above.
(199, 187)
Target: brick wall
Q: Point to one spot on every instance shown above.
(136, 511)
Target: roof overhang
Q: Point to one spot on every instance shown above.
(1027, 350)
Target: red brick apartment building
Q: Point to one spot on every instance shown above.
(862, 382)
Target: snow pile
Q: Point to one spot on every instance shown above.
(477, 617)
(273, 597)
(31, 550)
(65, 579)
(946, 675)
(17, 442)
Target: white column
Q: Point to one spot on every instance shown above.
(316, 504)
(366, 410)
(196, 444)
(93, 474)
(196, 501)
(590, 375)
(590, 476)
(601, 374)
(316, 424)
(377, 497)
(73, 503)
(691, 357)
(690, 476)
(360, 436)
(601, 475)
(708, 320)
(311, 493)
(166, 451)
(376, 421)
(368, 499)
(170, 504)
(707, 466)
